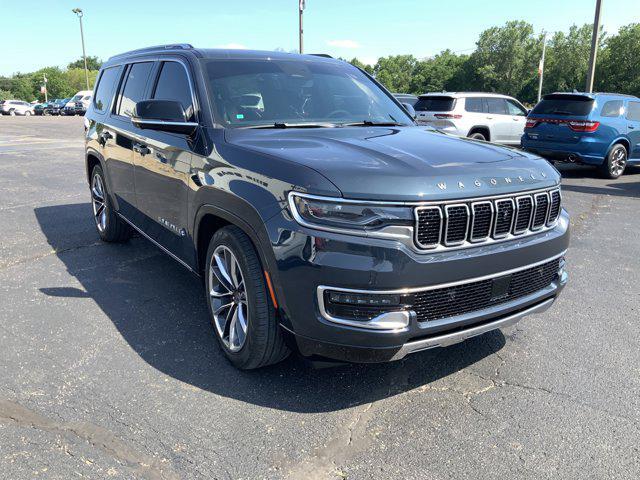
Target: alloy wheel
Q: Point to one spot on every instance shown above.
(99, 203)
(228, 296)
(618, 162)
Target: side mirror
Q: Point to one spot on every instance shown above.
(410, 110)
(162, 115)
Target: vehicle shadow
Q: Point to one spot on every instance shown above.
(159, 309)
(625, 186)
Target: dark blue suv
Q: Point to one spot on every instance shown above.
(319, 216)
(601, 129)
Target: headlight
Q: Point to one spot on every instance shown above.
(323, 212)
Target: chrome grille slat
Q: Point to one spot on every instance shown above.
(541, 212)
(489, 219)
(524, 211)
(456, 225)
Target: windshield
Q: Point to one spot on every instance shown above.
(77, 98)
(564, 105)
(296, 92)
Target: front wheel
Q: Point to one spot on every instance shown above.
(27, 113)
(110, 226)
(243, 317)
(615, 163)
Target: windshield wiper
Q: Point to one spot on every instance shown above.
(369, 123)
(292, 125)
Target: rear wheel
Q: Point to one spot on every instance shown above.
(615, 163)
(243, 318)
(27, 113)
(478, 136)
(110, 226)
(12, 113)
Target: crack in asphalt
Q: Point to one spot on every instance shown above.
(40, 256)
(144, 465)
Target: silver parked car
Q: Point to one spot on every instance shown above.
(483, 116)
(16, 107)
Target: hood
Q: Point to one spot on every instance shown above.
(402, 163)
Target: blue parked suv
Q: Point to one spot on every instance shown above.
(601, 129)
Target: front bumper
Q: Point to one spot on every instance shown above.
(310, 260)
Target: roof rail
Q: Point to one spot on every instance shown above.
(324, 55)
(169, 46)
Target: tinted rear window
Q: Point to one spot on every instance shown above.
(564, 105)
(435, 104)
(475, 104)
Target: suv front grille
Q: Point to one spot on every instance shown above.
(452, 225)
(447, 302)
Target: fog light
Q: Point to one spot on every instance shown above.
(561, 265)
(365, 310)
(363, 299)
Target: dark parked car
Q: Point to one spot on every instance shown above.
(599, 129)
(320, 217)
(44, 108)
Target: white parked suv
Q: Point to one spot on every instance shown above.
(16, 107)
(483, 116)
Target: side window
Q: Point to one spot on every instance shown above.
(612, 108)
(497, 105)
(104, 90)
(633, 112)
(134, 88)
(173, 84)
(515, 109)
(473, 104)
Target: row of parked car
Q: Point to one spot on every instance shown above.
(76, 105)
(599, 129)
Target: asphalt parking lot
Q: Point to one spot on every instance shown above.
(109, 368)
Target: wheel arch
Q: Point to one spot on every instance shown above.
(620, 140)
(484, 129)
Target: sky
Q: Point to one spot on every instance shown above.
(39, 33)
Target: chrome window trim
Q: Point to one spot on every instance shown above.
(513, 217)
(515, 222)
(446, 224)
(535, 211)
(416, 214)
(473, 219)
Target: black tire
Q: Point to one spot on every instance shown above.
(27, 113)
(263, 342)
(478, 136)
(112, 228)
(615, 162)
(12, 113)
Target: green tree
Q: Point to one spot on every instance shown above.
(93, 63)
(619, 68)
(57, 83)
(357, 63)
(396, 72)
(77, 81)
(20, 86)
(506, 59)
(5, 95)
(567, 60)
(442, 72)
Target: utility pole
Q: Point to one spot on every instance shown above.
(301, 5)
(541, 66)
(594, 48)
(46, 93)
(80, 14)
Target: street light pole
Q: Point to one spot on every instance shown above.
(80, 14)
(541, 66)
(301, 5)
(594, 48)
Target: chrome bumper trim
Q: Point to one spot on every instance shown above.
(457, 337)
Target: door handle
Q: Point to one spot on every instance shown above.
(631, 127)
(141, 149)
(161, 158)
(489, 118)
